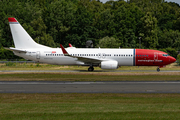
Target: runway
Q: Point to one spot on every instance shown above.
(89, 87)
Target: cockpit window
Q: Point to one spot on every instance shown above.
(165, 55)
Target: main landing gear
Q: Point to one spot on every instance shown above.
(158, 69)
(91, 68)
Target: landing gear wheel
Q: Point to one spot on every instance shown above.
(158, 69)
(90, 69)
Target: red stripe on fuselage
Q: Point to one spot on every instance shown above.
(147, 57)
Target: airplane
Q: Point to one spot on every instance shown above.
(105, 58)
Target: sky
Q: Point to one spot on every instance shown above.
(176, 1)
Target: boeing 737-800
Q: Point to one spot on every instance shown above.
(27, 48)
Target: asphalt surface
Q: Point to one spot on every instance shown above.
(89, 87)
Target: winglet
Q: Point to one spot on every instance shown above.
(70, 45)
(64, 51)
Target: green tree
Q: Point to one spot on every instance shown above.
(104, 23)
(178, 60)
(168, 17)
(108, 42)
(127, 23)
(39, 33)
(24, 12)
(150, 39)
(169, 38)
(172, 52)
(58, 17)
(81, 28)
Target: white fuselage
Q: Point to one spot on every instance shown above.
(55, 56)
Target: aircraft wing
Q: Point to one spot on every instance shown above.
(80, 58)
(88, 60)
(16, 50)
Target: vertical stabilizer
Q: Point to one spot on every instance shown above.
(21, 38)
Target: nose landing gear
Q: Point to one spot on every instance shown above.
(158, 69)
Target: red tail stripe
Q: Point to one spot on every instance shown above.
(12, 20)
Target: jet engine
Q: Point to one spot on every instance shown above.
(109, 65)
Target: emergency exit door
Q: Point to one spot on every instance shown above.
(38, 55)
(155, 56)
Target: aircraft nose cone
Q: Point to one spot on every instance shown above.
(172, 59)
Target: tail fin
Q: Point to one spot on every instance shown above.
(21, 38)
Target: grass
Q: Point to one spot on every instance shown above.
(68, 106)
(36, 66)
(84, 75)
(89, 106)
(88, 77)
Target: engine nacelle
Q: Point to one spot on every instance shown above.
(109, 65)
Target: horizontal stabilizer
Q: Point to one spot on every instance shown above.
(16, 50)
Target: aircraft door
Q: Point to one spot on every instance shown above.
(99, 55)
(38, 55)
(155, 56)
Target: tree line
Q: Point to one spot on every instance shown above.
(148, 24)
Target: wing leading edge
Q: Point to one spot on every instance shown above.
(81, 58)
